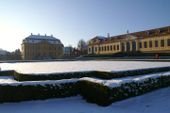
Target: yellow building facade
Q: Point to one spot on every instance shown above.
(38, 47)
(149, 41)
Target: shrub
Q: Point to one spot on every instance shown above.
(7, 73)
(94, 92)
(91, 91)
(9, 93)
(96, 74)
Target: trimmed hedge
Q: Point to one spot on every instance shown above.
(7, 73)
(91, 92)
(104, 96)
(95, 93)
(96, 74)
(9, 93)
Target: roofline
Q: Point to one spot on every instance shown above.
(122, 36)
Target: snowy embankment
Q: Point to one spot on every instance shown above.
(154, 102)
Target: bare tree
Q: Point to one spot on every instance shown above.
(82, 46)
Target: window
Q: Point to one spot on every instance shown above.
(162, 43)
(107, 48)
(99, 48)
(156, 43)
(96, 49)
(104, 48)
(150, 44)
(145, 44)
(114, 47)
(123, 47)
(168, 42)
(117, 47)
(140, 44)
(111, 48)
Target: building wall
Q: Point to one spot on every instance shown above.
(106, 48)
(41, 50)
(68, 51)
(150, 44)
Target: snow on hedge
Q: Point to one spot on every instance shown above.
(110, 83)
(79, 66)
(7, 79)
(42, 83)
(117, 82)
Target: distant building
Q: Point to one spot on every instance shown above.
(150, 41)
(68, 51)
(36, 47)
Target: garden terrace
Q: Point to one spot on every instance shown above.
(96, 90)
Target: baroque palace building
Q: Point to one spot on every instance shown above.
(150, 41)
(36, 47)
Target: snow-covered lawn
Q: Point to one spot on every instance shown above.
(154, 102)
(74, 66)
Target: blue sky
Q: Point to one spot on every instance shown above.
(72, 20)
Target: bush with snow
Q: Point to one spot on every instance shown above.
(23, 92)
(100, 91)
(7, 72)
(96, 74)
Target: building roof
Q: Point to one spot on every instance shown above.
(38, 38)
(140, 34)
(42, 37)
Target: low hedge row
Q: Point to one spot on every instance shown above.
(7, 73)
(92, 92)
(104, 96)
(96, 74)
(9, 93)
(95, 93)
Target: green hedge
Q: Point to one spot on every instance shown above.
(96, 74)
(95, 93)
(7, 73)
(104, 96)
(91, 92)
(9, 93)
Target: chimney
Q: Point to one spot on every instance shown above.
(31, 34)
(51, 35)
(108, 35)
(45, 35)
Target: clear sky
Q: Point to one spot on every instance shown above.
(72, 20)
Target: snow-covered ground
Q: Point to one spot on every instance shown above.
(74, 66)
(7, 79)
(154, 102)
